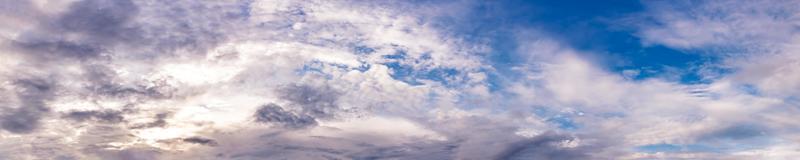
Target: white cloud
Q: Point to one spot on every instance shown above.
(743, 25)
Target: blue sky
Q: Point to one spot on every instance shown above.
(307, 79)
(596, 27)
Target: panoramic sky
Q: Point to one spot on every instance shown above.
(416, 79)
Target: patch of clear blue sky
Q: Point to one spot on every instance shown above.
(407, 73)
(562, 120)
(592, 27)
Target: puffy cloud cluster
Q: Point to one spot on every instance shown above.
(272, 79)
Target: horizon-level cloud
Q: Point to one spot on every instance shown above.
(273, 79)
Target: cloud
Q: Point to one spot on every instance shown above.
(103, 21)
(200, 140)
(547, 146)
(160, 121)
(266, 79)
(31, 94)
(755, 41)
(314, 101)
(687, 24)
(272, 113)
(105, 116)
(97, 25)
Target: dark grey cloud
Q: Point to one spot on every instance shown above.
(32, 93)
(100, 24)
(103, 21)
(319, 102)
(274, 114)
(22, 120)
(107, 116)
(200, 140)
(311, 103)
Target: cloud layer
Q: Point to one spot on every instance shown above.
(271, 79)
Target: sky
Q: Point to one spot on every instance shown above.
(417, 79)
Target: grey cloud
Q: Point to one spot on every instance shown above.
(201, 140)
(23, 120)
(14, 8)
(61, 48)
(189, 26)
(319, 102)
(548, 146)
(476, 137)
(749, 133)
(160, 121)
(282, 146)
(97, 138)
(32, 93)
(545, 146)
(102, 20)
(366, 152)
(410, 151)
(91, 29)
(272, 113)
(108, 116)
(104, 83)
(137, 153)
(468, 138)
(101, 24)
(66, 158)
